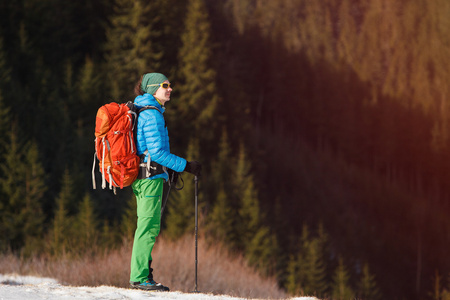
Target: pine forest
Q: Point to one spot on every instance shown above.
(322, 128)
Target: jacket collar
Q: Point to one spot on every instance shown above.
(147, 99)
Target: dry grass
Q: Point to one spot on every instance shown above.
(218, 271)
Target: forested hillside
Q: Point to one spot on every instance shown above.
(322, 126)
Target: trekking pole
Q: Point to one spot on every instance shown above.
(196, 231)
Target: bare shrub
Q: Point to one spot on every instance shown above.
(219, 272)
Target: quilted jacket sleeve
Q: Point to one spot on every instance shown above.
(153, 130)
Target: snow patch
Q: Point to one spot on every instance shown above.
(15, 287)
(14, 279)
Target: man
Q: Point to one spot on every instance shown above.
(152, 141)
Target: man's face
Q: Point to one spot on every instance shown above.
(163, 94)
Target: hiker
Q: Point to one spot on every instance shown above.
(152, 142)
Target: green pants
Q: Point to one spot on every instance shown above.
(148, 196)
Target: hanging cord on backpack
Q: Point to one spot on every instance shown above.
(173, 179)
(103, 163)
(94, 186)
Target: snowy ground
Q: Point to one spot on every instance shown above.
(14, 287)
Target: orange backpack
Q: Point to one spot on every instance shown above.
(115, 146)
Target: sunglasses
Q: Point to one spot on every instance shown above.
(164, 85)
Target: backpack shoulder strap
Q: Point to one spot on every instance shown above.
(149, 107)
(152, 107)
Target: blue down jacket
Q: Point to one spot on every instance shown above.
(152, 135)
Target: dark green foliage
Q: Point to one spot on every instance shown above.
(221, 221)
(131, 50)
(262, 251)
(446, 291)
(197, 90)
(110, 236)
(367, 288)
(307, 268)
(5, 123)
(299, 111)
(236, 218)
(129, 219)
(341, 280)
(249, 212)
(311, 272)
(62, 222)
(22, 188)
(5, 118)
(259, 243)
(223, 164)
(86, 225)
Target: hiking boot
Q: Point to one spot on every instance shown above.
(149, 285)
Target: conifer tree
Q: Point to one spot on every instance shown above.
(292, 280)
(316, 269)
(5, 72)
(436, 294)
(346, 42)
(198, 93)
(11, 236)
(221, 220)
(241, 10)
(297, 266)
(4, 142)
(367, 288)
(109, 236)
(22, 185)
(243, 176)
(90, 93)
(307, 269)
(35, 187)
(90, 97)
(249, 214)
(317, 29)
(221, 170)
(131, 50)
(89, 84)
(341, 289)
(243, 189)
(5, 123)
(446, 292)
(62, 221)
(129, 219)
(262, 251)
(259, 243)
(5, 111)
(86, 225)
(222, 166)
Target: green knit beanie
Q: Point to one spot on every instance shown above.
(150, 82)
